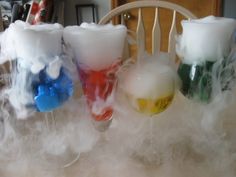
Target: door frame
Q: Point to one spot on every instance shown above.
(219, 8)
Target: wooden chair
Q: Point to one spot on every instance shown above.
(156, 31)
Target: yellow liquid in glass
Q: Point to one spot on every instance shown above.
(153, 106)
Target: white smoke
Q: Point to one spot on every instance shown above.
(28, 49)
(188, 139)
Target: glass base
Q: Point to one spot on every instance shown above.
(62, 161)
(102, 126)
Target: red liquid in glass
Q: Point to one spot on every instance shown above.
(99, 85)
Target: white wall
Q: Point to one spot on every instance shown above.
(229, 8)
(70, 16)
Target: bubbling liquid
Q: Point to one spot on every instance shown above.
(99, 87)
(151, 106)
(150, 85)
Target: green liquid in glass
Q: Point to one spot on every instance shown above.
(196, 80)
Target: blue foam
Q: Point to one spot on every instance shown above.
(47, 98)
(51, 94)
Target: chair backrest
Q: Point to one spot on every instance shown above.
(156, 32)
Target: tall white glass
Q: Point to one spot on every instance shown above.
(98, 51)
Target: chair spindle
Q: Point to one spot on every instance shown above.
(172, 34)
(140, 33)
(156, 34)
